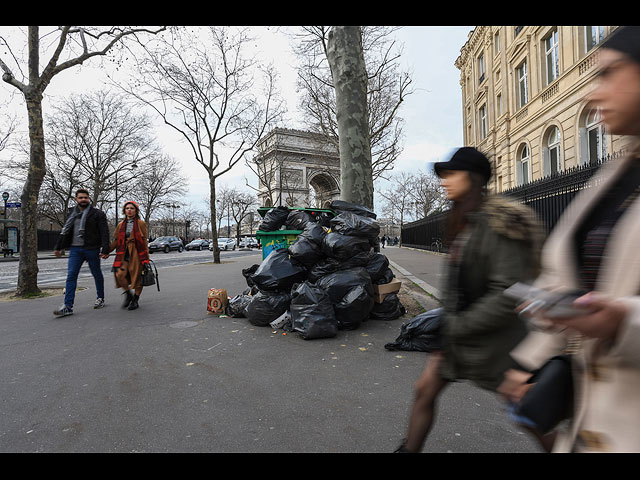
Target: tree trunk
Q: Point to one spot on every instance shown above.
(346, 59)
(212, 204)
(28, 266)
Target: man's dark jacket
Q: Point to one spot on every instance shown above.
(96, 232)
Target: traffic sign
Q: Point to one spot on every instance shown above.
(14, 205)
(5, 196)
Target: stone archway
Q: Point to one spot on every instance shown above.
(323, 188)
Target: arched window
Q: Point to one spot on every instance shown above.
(552, 158)
(596, 137)
(523, 166)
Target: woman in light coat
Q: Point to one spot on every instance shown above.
(596, 247)
(132, 253)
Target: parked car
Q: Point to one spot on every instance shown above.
(198, 244)
(248, 242)
(166, 244)
(225, 244)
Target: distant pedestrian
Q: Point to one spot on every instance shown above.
(594, 248)
(493, 244)
(382, 242)
(85, 234)
(132, 254)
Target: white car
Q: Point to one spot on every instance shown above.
(225, 244)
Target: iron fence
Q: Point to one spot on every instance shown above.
(548, 197)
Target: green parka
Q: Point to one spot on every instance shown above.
(499, 247)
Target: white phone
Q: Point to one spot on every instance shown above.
(554, 304)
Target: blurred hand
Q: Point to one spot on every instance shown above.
(601, 319)
(57, 253)
(515, 385)
(104, 255)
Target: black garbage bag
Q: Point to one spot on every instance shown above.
(265, 307)
(314, 232)
(237, 306)
(348, 223)
(351, 293)
(278, 272)
(322, 268)
(390, 308)
(343, 247)
(340, 206)
(422, 333)
(298, 220)
(305, 251)
(247, 272)
(324, 219)
(377, 266)
(312, 312)
(387, 277)
(274, 219)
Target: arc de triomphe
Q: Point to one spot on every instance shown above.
(297, 169)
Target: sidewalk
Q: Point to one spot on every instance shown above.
(424, 268)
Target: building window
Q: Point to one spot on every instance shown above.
(522, 166)
(481, 68)
(552, 161)
(523, 94)
(483, 122)
(496, 43)
(593, 36)
(551, 56)
(516, 31)
(499, 104)
(596, 137)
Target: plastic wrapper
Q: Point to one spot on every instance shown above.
(274, 219)
(391, 308)
(351, 293)
(237, 306)
(348, 223)
(342, 206)
(312, 312)
(265, 307)
(278, 272)
(343, 247)
(422, 333)
(298, 220)
(305, 251)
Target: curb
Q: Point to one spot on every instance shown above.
(431, 290)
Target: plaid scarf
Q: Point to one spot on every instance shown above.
(143, 253)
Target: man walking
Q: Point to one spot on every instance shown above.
(85, 233)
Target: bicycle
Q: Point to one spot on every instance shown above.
(436, 246)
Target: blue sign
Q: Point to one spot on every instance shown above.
(14, 205)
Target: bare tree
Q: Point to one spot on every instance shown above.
(387, 88)
(241, 205)
(427, 194)
(98, 141)
(160, 182)
(71, 47)
(205, 88)
(397, 201)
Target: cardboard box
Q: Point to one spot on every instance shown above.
(381, 291)
(217, 301)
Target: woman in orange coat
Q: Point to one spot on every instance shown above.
(132, 253)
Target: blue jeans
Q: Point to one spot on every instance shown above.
(77, 256)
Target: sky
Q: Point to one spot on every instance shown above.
(432, 114)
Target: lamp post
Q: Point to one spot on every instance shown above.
(173, 216)
(134, 165)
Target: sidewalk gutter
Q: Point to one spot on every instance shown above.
(431, 290)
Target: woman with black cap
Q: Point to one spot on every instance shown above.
(132, 253)
(493, 243)
(595, 247)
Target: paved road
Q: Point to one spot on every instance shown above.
(53, 271)
(169, 377)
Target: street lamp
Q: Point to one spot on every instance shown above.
(173, 216)
(133, 168)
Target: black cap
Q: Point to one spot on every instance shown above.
(466, 158)
(625, 40)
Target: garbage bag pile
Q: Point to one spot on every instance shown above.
(324, 280)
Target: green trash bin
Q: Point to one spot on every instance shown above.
(271, 241)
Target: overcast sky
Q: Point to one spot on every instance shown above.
(433, 114)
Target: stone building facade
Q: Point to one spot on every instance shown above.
(524, 100)
(297, 169)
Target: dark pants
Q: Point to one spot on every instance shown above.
(77, 256)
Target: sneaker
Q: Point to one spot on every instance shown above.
(63, 311)
(99, 303)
